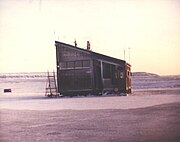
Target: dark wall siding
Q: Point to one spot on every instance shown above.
(68, 54)
(74, 69)
(75, 79)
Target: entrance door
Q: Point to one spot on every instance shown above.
(97, 76)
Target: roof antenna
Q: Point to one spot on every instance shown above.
(129, 55)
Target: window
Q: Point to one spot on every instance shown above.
(70, 64)
(106, 70)
(62, 65)
(121, 75)
(86, 63)
(74, 64)
(120, 72)
(78, 64)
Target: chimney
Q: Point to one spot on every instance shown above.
(88, 45)
(75, 43)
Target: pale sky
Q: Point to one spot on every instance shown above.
(150, 28)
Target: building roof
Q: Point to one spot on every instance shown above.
(94, 54)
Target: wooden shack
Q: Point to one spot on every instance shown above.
(81, 72)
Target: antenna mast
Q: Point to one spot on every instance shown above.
(129, 55)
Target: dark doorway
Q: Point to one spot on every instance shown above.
(97, 76)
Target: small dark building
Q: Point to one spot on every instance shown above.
(81, 72)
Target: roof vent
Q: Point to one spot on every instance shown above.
(75, 43)
(88, 45)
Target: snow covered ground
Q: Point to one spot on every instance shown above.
(151, 113)
(85, 103)
(28, 90)
(35, 83)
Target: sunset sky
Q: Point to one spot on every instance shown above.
(148, 31)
